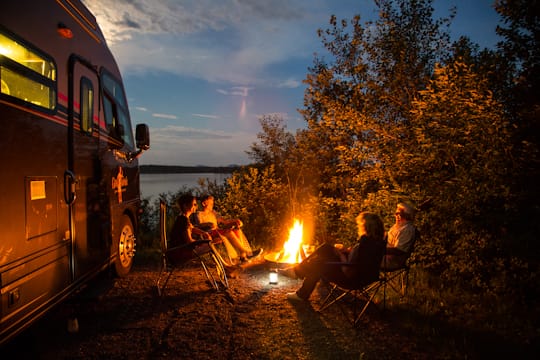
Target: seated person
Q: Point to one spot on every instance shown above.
(209, 220)
(400, 238)
(366, 254)
(183, 232)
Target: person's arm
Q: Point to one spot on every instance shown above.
(181, 233)
(202, 222)
(200, 233)
(206, 226)
(227, 223)
(406, 239)
(351, 257)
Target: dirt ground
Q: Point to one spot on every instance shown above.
(125, 319)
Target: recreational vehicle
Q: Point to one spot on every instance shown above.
(69, 178)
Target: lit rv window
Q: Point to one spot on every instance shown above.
(87, 105)
(116, 111)
(26, 74)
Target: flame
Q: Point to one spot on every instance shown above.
(292, 247)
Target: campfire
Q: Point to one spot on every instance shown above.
(292, 251)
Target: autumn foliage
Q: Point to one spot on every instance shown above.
(394, 112)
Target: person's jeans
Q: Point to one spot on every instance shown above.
(314, 267)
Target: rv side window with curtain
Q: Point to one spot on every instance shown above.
(87, 106)
(27, 74)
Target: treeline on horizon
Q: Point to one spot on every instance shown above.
(174, 169)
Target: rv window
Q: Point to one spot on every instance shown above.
(87, 106)
(125, 130)
(116, 113)
(110, 115)
(114, 89)
(26, 57)
(26, 74)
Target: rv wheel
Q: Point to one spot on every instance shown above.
(124, 247)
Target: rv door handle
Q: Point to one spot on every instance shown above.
(69, 187)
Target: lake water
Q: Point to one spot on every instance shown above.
(154, 184)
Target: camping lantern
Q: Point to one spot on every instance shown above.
(273, 277)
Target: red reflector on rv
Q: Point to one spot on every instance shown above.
(64, 31)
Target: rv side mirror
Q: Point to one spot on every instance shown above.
(142, 136)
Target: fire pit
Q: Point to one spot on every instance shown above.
(293, 250)
(276, 260)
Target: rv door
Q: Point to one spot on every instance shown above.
(89, 208)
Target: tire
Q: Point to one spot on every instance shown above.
(124, 247)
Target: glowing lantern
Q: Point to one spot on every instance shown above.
(273, 277)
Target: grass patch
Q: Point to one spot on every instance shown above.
(458, 322)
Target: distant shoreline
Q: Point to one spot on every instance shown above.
(172, 169)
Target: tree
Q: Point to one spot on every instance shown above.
(358, 106)
(399, 114)
(521, 48)
(273, 190)
(277, 148)
(462, 161)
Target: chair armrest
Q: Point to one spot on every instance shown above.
(200, 242)
(192, 245)
(207, 226)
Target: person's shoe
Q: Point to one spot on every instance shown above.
(294, 297)
(288, 272)
(256, 253)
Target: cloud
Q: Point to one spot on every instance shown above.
(122, 19)
(289, 83)
(165, 116)
(236, 91)
(183, 133)
(206, 116)
(232, 41)
(141, 108)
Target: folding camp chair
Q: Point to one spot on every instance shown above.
(220, 242)
(223, 247)
(397, 278)
(361, 292)
(210, 260)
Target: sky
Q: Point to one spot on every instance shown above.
(201, 73)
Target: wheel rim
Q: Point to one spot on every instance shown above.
(126, 246)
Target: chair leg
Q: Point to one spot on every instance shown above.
(214, 269)
(398, 281)
(209, 276)
(224, 249)
(360, 295)
(404, 282)
(331, 298)
(373, 290)
(220, 271)
(161, 286)
(384, 280)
